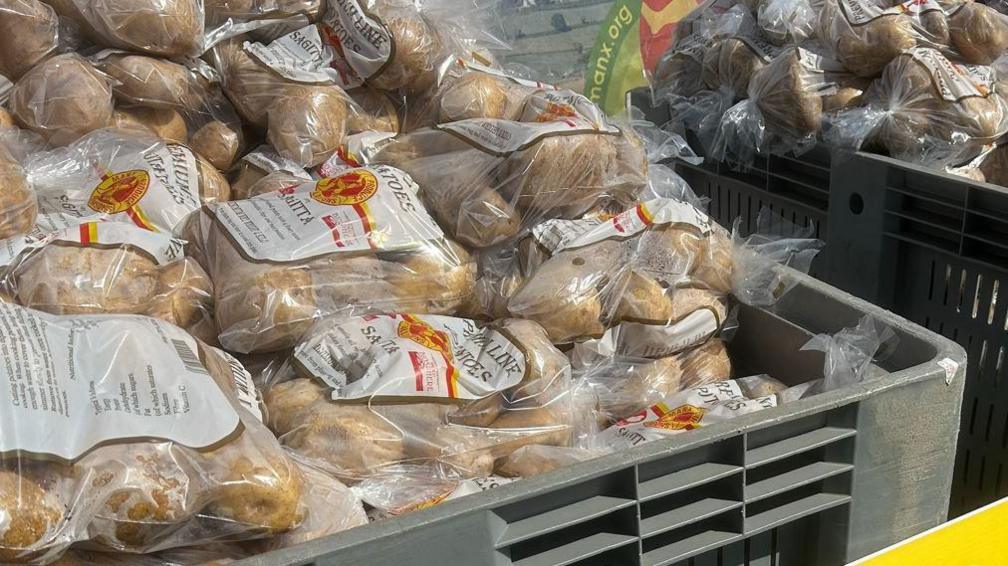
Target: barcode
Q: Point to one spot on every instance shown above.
(188, 357)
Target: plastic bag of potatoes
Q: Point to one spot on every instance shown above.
(679, 71)
(166, 28)
(397, 45)
(263, 171)
(692, 408)
(297, 99)
(18, 207)
(623, 385)
(264, 19)
(927, 109)
(125, 176)
(182, 103)
(109, 267)
(359, 242)
(30, 31)
(787, 99)
(657, 271)
(360, 394)
(400, 489)
(141, 438)
(487, 180)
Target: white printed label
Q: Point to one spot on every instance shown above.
(659, 340)
(299, 56)
(162, 248)
(951, 368)
(370, 208)
(364, 41)
(561, 105)
(154, 189)
(266, 159)
(74, 382)
(858, 12)
(953, 82)
(557, 235)
(761, 47)
(693, 45)
(473, 65)
(244, 387)
(411, 356)
(358, 150)
(687, 410)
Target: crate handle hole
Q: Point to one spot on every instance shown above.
(856, 203)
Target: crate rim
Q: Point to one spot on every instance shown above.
(308, 552)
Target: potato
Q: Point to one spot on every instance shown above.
(375, 112)
(165, 123)
(217, 142)
(214, 187)
(152, 82)
(308, 123)
(417, 52)
(62, 99)
(29, 31)
(167, 28)
(784, 93)
(865, 47)
(728, 65)
(18, 207)
(978, 32)
(479, 95)
(6, 120)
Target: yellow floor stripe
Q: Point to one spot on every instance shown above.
(977, 539)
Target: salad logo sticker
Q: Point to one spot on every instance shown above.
(119, 192)
(684, 417)
(412, 328)
(349, 189)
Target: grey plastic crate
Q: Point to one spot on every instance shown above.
(819, 481)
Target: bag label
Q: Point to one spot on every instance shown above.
(265, 158)
(358, 150)
(860, 12)
(300, 56)
(953, 82)
(369, 208)
(545, 113)
(362, 39)
(687, 410)
(155, 189)
(244, 387)
(660, 340)
(161, 247)
(557, 235)
(75, 382)
(411, 356)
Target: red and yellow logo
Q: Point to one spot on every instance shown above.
(348, 189)
(412, 328)
(118, 192)
(556, 111)
(684, 417)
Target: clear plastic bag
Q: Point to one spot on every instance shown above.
(176, 458)
(641, 267)
(400, 489)
(865, 37)
(62, 99)
(249, 178)
(562, 159)
(396, 45)
(166, 28)
(18, 208)
(123, 176)
(264, 19)
(850, 352)
(689, 409)
(30, 31)
(363, 394)
(158, 93)
(787, 21)
(911, 118)
(730, 63)
(295, 95)
(356, 243)
(784, 110)
(110, 267)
